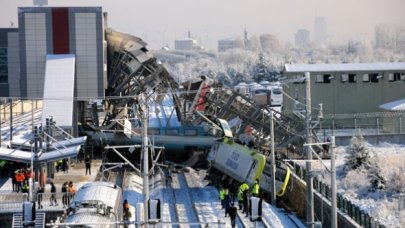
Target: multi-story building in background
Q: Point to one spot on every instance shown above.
(302, 38)
(62, 30)
(9, 63)
(320, 30)
(226, 44)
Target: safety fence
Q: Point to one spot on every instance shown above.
(17, 107)
(12, 202)
(356, 213)
(376, 123)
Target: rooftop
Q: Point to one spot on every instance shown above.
(343, 67)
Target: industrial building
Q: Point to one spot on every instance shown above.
(346, 88)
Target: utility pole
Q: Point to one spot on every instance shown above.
(145, 149)
(11, 119)
(333, 182)
(310, 190)
(273, 163)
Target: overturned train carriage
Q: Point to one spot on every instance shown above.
(242, 164)
(97, 204)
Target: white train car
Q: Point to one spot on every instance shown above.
(260, 94)
(96, 204)
(276, 94)
(242, 88)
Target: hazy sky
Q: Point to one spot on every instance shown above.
(159, 22)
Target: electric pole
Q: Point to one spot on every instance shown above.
(310, 190)
(145, 149)
(273, 163)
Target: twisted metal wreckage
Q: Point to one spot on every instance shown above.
(138, 82)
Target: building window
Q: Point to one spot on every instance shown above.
(396, 76)
(3, 65)
(319, 78)
(374, 77)
(366, 78)
(352, 78)
(325, 78)
(344, 78)
(299, 79)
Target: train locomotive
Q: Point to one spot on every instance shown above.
(245, 165)
(96, 204)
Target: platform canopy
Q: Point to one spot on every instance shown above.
(398, 105)
(59, 89)
(25, 156)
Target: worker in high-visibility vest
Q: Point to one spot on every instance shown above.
(255, 188)
(222, 196)
(242, 188)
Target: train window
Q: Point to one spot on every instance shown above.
(153, 131)
(276, 91)
(172, 132)
(190, 132)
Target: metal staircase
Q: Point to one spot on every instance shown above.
(39, 220)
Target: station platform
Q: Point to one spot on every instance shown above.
(11, 202)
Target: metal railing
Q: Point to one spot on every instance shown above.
(378, 123)
(12, 202)
(346, 206)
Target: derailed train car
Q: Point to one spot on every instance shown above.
(242, 164)
(96, 204)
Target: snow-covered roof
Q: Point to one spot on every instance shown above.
(344, 67)
(398, 105)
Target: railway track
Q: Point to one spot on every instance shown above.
(186, 212)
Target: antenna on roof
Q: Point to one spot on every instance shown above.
(11, 24)
(40, 2)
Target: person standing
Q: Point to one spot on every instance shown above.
(246, 206)
(222, 196)
(20, 179)
(242, 188)
(232, 213)
(64, 195)
(53, 193)
(71, 190)
(227, 201)
(127, 213)
(87, 161)
(14, 181)
(40, 192)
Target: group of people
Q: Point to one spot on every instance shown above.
(20, 179)
(68, 191)
(243, 195)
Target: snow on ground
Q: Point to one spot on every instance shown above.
(380, 204)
